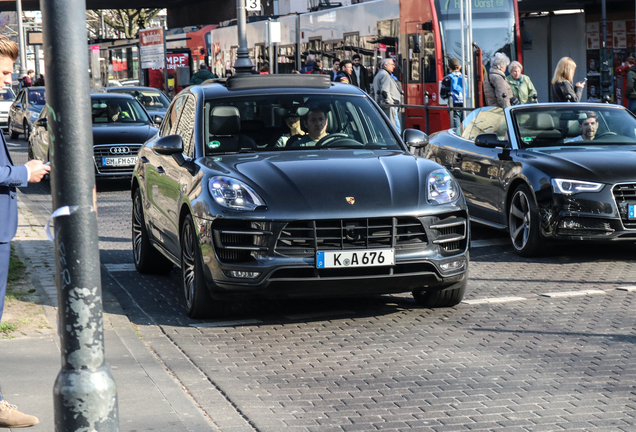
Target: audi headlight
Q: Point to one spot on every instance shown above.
(442, 187)
(234, 194)
(571, 187)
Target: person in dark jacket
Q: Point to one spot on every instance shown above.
(336, 68)
(203, 75)
(497, 91)
(309, 64)
(359, 75)
(562, 88)
(346, 69)
(317, 67)
(630, 91)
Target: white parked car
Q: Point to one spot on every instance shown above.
(6, 99)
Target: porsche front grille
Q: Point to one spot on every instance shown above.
(304, 238)
(450, 233)
(236, 240)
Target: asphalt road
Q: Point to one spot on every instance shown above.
(538, 344)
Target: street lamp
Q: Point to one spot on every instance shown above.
(21, 47)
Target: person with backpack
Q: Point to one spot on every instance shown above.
(453, 88)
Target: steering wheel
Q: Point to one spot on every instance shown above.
(335, 138)
(604, 134)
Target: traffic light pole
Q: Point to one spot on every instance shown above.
(84, 393)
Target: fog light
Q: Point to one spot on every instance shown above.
(452, 265)
(241, 274)
(570, 224)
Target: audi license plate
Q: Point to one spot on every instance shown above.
(358, 258)
(119, 161)
(632, 211)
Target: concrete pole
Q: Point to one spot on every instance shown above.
(84, 393)
(243, 64)
(21, 45)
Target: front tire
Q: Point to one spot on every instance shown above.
(196, 298)
(524, 224)
(438, 299)
(12, 134)
(147, 259)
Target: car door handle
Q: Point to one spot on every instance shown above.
(160, 170)
(144, 159)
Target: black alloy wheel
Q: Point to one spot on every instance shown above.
(197, 300)
(147, 259)
(523, 223)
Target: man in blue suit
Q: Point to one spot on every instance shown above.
(11, 176)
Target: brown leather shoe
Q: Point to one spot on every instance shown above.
(10, 417)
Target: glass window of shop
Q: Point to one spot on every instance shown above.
(123, 63)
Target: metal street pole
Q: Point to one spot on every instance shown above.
(84, 393)
(21, 46)
(243, 64)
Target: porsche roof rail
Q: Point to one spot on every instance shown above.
(248, 82)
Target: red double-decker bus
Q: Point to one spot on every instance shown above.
(420, 35)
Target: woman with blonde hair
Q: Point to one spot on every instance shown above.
(562, 86)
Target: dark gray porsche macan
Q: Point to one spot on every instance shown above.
(226, 194)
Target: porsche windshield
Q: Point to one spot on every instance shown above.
(572, 125)
(295, 122)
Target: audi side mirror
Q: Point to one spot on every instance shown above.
(490, 140)
(42, 122)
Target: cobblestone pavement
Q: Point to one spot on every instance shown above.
(539, 344)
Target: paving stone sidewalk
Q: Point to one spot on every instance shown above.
(149, 396)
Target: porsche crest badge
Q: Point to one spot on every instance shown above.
(351, 200)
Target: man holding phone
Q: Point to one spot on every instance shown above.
(12, 176)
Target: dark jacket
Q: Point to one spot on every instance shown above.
(630, 91)
(343, 77)
(201, 76)
(364, 79)
(495, 85)
(562, 89)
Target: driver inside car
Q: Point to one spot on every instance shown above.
(588, 126)
(316, 124)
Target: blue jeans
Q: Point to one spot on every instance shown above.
(5, 253)
(631, 105)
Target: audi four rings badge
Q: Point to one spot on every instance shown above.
(119, 150)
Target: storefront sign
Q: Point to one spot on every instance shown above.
(152, 48)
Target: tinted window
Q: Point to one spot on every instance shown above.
(37, 97)
(150, 99)
(265, 123)
(169, 125)
(110, 110)
(185, 127)
(7, 94)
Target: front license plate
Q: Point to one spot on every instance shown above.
(358, 258)
(119, 161)
(632, 211)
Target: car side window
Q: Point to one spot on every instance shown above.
(485, 120)
(185, 126)
(169, 124)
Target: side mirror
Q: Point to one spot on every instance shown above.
(415, 138)
(43, 122)
(158, 119)
(490, 140)
(169, 145)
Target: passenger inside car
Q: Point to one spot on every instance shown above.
(292, 120)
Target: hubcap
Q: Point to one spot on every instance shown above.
(187, 264)
(137, 223)
(519, 220)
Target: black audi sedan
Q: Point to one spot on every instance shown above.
(290, 185)
(546, 172)
(120, 127)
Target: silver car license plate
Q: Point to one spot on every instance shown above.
(357, 258)
(119, 161)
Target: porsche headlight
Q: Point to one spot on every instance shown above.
(441, 187)
(571, 187)
(234, 194)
